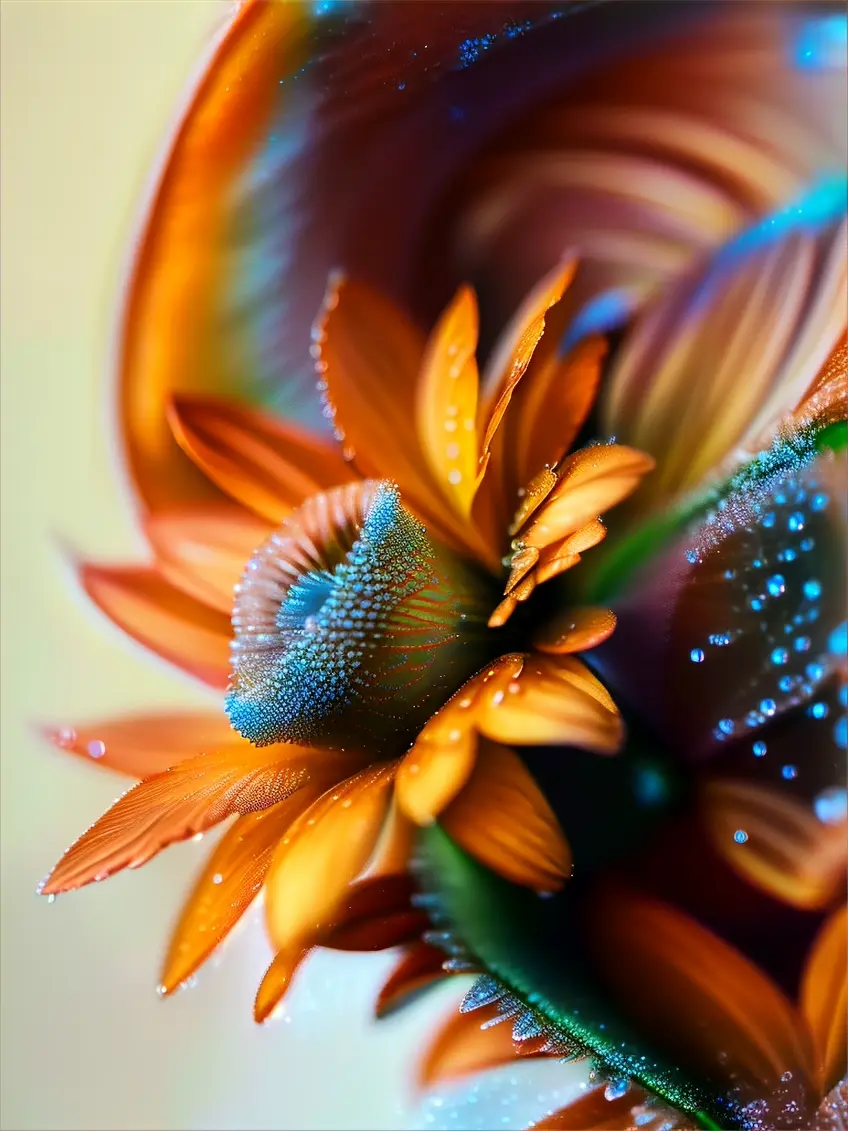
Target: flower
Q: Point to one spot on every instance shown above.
(650, 198)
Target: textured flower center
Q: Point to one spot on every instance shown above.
(352, 626)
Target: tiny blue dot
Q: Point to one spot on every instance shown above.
(812, 590)
(819, 502)
(796, 521)
(840, 733)
(776, 585)
(802, 643)
(768, 707)
(759, 749)
(780, 656)
(818, 711)
(808, 544)
(740, 836)
(768, 520)
(697, 655)
(726, 726)
(837, 642)
(785, 683)
(815, 672)
(790, 772)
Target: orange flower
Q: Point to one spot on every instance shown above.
(354, 618)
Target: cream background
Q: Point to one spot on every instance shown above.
(88, 91)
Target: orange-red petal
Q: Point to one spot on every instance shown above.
(376, 913)
(594, 1112)
(703, 998)
(164, 619)
(788, 852)
(267, 465)
(178, 804)
(462, 1047)
(275, 981)
(228, 884)
(142, 745)
(203, 549)
(824, 999)
(325, 849)
(420, 966)
(502, 818)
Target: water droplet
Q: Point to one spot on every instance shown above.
(790, 772)
(768, 707)
(96, 748)
(776, 585)
(726, 726)
(615, 1089)
(66, 737)
(780, 656)
(818, 711)
(819, 502)
(197, 837)
(796, 521)
(697, 655)
(786, 1077)
(812, 590)
(831, 806)
(51, 898)
(217, 878)
(759, 749)
(740, 836)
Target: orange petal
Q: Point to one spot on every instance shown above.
(590, 482)
(180, 331)
(700, 996)
(438, 765)
(178, 804)
(447, 401)
(501, 817)
(326, 848)
(142, 745)
(788, 852)
(268, 465)
(420, 966)
(823, 999)
(226, 887)
(515, 348)
(462, 1047)
(552, 700)
(394, 848)
(576, 630)
(275, 982)
(552, 403)
(203, 549)
(159, 616)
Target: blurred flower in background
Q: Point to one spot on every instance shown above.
(592, 256)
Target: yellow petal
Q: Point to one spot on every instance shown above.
(501, 818)
(823, 998)
(326, 848)
(551, 700)
(438, 765)
(447, 401)
(576, 630)
(267, 465)
(788, 852)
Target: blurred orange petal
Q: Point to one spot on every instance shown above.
(276, 981)
(502, 818)
(178, 332)
(161, 617)
(594, 1112)
(461, 1048)
(751, 310)
(420, 966)
(142, 745)
(787, 852)
(376, 913)
(551, 700)
(267, 465)
(701, 997)
(178, 804)
(824, 1000)
(226, 887)
(203, 549)
(326, 848)
(447, 401)
(576, 630)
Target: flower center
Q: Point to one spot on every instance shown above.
(352, 626)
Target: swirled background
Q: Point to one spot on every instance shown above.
(88, 91)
